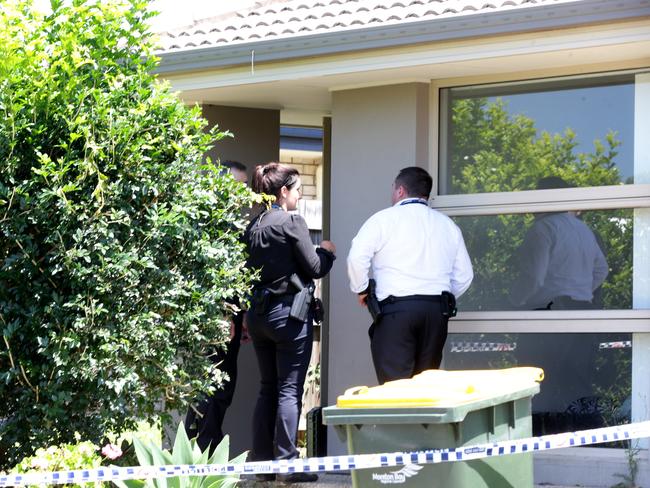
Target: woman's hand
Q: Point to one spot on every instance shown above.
(328, 246)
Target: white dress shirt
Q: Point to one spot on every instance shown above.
(560, 256)
(412, 250)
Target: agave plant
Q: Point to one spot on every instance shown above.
(185, 451)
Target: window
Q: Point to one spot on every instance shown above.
(508, 137)
(587, 381)
(530, 261)
(513, 154)
(524, 169)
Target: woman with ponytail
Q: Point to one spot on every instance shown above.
(279, 247)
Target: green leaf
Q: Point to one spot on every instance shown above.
(160, 459)
(239, 459)
(226, 482)
(182, 450)
(129, 483)
(222, 451)
(143, 452)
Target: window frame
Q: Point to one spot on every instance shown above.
(635, 195)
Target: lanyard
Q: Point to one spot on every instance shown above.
(414, 200)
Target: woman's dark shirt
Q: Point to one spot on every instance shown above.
(279, 245)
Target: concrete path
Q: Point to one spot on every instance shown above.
(332, 480)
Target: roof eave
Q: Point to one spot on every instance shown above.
(543, 17)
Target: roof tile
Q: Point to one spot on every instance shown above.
(290, 18)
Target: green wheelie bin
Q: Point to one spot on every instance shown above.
(440, 409)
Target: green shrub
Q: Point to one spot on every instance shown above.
(118, 248)
(65, 457)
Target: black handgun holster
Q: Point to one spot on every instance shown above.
(301, 300)
(374, 307)
(448, 304)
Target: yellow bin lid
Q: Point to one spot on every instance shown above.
(441, 388)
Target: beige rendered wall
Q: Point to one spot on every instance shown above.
(375, 132)
(256, 134)
(257, 140)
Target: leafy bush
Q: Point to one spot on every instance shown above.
(184, 452)
(118, 247)
(81, 455)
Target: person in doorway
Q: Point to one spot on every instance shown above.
(560, 262)
(280, 318)
(205, 420)
(419, 262)
(237, 170)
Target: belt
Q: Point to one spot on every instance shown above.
(408, 298)
(284, 298)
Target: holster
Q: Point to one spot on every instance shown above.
(301, 300)
(448, 304)
(374, 307)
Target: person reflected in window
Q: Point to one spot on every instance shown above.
(560, 262)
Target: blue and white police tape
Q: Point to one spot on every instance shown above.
(340, 463)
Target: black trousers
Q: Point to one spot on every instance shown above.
(205, 420)
(407, 339)
(283, 349)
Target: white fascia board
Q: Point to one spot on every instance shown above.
(524, 19)
(626, 33)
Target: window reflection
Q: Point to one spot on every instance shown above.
(560, 264)
(557, 261)
(587, 380)
(504, 138)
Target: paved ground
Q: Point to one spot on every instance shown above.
(340, 480)
(333, 480)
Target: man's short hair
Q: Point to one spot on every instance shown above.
(416, 181)
(234, 165)
(549, 182)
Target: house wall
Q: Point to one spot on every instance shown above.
(375, 132)
(363, 171)
(256, 134)
(257, 140)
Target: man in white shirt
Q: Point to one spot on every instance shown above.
(560, 262)
(418, 257)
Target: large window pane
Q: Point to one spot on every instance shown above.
(587, 380)
(502, 138)
(559, 261)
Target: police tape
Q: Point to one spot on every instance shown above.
(339, 463)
